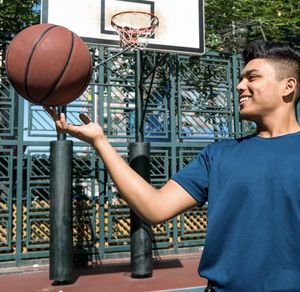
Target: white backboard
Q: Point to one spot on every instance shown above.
(180, 30)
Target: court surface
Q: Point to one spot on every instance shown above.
(176, 273)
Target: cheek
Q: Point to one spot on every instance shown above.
(266, 91)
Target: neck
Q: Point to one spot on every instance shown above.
(277, 126)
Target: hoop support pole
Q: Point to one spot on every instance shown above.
(61, 214)
(139, 158)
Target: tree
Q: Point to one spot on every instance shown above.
(231, 25)
(18, 14)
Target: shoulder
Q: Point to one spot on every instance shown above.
(228, 145)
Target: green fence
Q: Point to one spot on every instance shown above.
(191, 101)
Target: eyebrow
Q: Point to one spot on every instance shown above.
(247, 73)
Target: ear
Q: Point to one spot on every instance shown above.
(290, 86)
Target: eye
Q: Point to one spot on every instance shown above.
(252, 77)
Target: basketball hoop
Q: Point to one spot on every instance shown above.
(134, 28)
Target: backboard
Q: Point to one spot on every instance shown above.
(180, 30)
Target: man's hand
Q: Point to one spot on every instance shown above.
(89, 132)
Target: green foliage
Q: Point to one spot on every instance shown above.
(18, 14)
(231, 25)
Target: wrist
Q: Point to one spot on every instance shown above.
(99, 142)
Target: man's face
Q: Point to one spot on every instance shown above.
(260, 90)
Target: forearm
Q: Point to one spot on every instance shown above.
(153, 205)
(136, 191)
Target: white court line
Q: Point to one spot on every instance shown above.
(182, 289)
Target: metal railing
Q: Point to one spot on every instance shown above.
(191, 102)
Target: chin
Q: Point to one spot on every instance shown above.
(248, 117)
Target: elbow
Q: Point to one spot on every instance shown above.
(151, 220)
(156, 219)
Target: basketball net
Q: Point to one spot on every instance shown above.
(134, 28)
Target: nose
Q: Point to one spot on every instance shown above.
(241, 87)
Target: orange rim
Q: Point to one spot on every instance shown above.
(141, 30)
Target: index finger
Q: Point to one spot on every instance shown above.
(52, 112)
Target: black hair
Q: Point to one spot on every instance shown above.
(271, 50)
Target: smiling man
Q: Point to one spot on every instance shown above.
(252, 184)
(268, 87)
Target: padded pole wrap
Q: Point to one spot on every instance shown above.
(141, 236)
(61, 214)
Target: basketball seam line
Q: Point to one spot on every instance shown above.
(81, 90)
(29, 59)
(62, 71)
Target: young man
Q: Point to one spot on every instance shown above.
(252, 184)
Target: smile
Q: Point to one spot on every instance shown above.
(244, 98)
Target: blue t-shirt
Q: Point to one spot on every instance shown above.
(252, 186)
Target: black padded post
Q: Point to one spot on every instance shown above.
(61, 215)
(141, 235)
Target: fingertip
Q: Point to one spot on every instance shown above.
(49, 111)
(84, 118)
(46, 108)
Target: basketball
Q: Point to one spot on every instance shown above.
(48, 64)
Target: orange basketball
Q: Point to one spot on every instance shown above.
(48, 64)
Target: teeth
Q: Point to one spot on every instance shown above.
(244, 99)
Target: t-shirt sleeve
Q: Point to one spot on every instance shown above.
(194, 177)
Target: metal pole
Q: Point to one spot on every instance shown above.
(139, 153)
(139, 129)
(61, 213)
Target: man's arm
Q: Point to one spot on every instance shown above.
(153, 205)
